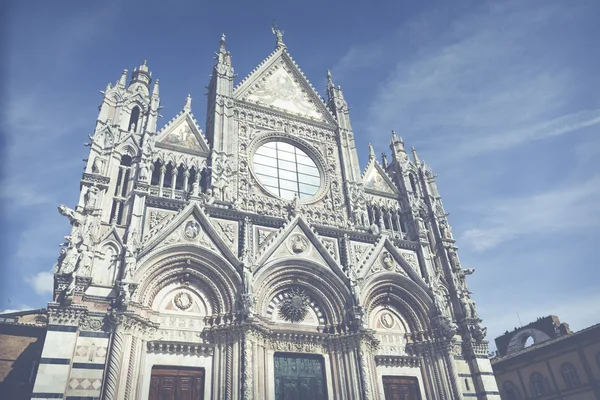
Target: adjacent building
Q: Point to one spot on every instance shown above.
(256, 259)
(21, 340)
(546, 360)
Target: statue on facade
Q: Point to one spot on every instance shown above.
(130, 262)
(90, 198)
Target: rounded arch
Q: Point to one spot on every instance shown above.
(190, 265)
(402, 294)
(324, 287)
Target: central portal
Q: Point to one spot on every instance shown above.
(299, 376)
(176, 383)
(401, 388)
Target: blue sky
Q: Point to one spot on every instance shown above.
(501, 98)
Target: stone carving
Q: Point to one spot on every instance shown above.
(387, 320)
(358, 252)
(130, 262)
(298, 244)
(98, 165)
(191, 230)
(91, 324)
(294, 306)
(90, 198)
(228, 231)
(411, 259)
(156, 217)
(183, 301)
(221, 173)
(387, 261)
(281, 90)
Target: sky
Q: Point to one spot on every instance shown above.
(500, 98)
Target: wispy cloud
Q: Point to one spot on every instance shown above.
(490, 80)
(561, 209)
(42, 282)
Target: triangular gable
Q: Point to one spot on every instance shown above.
(183, 134)
(375, 179)
(191, 226)
(296, 239)
(133, 141)
(112, 235)
(385, 257)
(279, 84)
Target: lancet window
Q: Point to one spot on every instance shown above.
(134, 119)
(121, 191)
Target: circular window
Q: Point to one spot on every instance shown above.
(286, 171)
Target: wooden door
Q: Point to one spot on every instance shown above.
(299, 377)
(172, 383)
(401, 388)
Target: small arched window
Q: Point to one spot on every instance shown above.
(511, 392)
(528, 341)
(134, 119)
(155, 180)
(538, 387)
(570, 376)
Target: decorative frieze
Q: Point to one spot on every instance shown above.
(180, 348)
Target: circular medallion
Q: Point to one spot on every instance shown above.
(298, 244)
(387, 320)
(192, 229)
(388, 261)
(294, 306)
(183, 301)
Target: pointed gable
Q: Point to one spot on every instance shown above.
(376, 180)
(297, 240)
(385, 257)
(279, 84)
(183, 134)
(191, 226)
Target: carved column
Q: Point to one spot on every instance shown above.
(173, 182)
(114, 364)
(247, 377)
(161, 183)
(365, 365)
(186, 178)
(453, 374)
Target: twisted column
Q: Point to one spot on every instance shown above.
(114, 365)
(247, 374)
(229, 371)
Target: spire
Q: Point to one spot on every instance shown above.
(416, 157)
(278, 35)
(222, 44)
(371, 152)
(396, 138)
(123, 79)
(155, 90)
(329, 80)
(188, 103)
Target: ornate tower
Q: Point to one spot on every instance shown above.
(256, 260)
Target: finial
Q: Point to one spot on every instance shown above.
(155, 89)
(278, 34)
(329, 80)
(384, 160)
(416, 156)
(222, 43)
(123, 80)
(188, 103)
(371, 152)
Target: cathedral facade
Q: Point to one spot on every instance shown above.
(256, 259)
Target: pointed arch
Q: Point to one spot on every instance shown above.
(201, 268)
(401, 293)
(323, 286)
